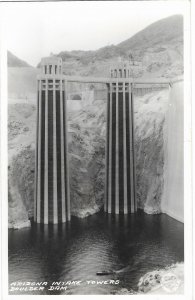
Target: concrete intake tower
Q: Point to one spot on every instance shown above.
(120, 191)
(52, 195)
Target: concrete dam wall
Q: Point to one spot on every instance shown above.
(173, 194)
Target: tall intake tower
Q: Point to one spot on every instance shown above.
(52, 199)
(120, 192)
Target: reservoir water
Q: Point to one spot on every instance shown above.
(131, 246)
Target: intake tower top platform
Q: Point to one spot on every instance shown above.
(51, 65)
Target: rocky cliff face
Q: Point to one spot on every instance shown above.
(87, 156)
(21, 133)
(149, 122)
(21, 187)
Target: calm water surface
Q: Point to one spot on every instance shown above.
(132, 245)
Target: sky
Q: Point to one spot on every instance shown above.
(34, 30)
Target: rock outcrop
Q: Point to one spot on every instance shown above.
(164, 281)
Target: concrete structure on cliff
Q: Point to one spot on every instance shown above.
(52, 195)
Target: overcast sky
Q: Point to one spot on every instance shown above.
(35, 30)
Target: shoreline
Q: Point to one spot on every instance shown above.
(27, 223)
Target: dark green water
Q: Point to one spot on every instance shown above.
(132, 245)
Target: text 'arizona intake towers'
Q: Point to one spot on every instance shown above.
(120, 194)
(52, 199)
